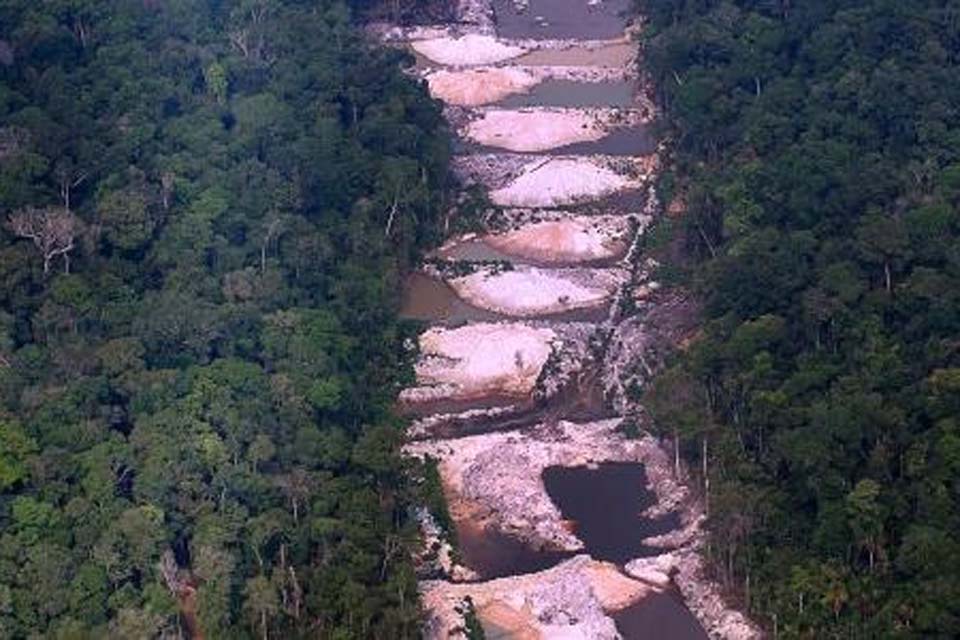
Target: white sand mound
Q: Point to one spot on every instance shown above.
(569, 240)
(535, 129)
(531, 291)
(480, 359)
(469, 50)
(559, 182)
(474, 87)
(569, 601)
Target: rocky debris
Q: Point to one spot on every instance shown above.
(466, 50)
(458, 363)
(489, 170)
(472, 16)
(593, 177)
(707, 604)
(478, 13)
(526, 291)
(436, 555)
(429, 426)
(639, 344)
(570, 600)
(655, 570)
(397, 35)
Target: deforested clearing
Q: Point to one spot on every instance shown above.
(474, 87)
(459, 362)
(535, 129)
(471, 49)
(559, 182)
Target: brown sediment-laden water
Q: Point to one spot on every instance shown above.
(569, 524)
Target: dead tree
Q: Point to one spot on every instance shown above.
(53, 231)
(68, 180)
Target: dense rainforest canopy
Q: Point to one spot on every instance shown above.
(817, 158)
(204, 208)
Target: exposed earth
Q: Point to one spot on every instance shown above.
(574, 522)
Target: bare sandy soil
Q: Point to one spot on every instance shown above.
(468, 50)
(529, 130)
(566, 241)
(474, 87)
(533, 291)
(560, 182)
(458, 363)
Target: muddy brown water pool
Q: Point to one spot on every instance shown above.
(561, 19)
(493, 554)
(429, 299)
(570, 93)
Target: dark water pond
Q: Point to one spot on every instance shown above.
(606, 505)
(561, 19)
(569, 93)
(659, 616)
